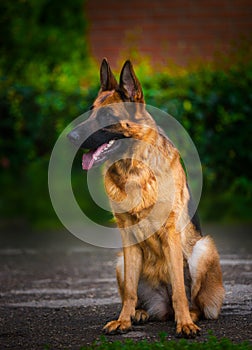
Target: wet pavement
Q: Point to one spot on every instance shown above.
(57, 291)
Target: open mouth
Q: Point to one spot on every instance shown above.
(98, 147)
(97, 156)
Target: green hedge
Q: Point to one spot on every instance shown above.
(44, 73)
(215, 106)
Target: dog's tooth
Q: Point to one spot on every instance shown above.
(111, 142)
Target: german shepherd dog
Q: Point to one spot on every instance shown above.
(166, 269)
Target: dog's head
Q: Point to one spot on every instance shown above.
(117, 113)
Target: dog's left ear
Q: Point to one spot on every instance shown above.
(129, 83)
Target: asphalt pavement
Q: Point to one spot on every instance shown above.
(59, 292)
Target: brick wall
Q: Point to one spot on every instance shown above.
(179, 30)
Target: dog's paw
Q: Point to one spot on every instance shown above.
(118, 326)
(141, 316)
(188, 330)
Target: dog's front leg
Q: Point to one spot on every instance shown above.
(132, 269)
(173, 251)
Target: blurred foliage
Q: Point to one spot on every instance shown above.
(215, 105)
(45, 72)
(212, 343)
(43, 56)
(48, 78)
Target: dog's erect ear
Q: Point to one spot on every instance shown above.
(129, 83)
(108, 81)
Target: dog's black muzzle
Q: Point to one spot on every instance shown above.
(83, 137)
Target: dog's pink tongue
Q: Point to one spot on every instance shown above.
(88, 160)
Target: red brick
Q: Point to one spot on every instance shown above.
(181, 30)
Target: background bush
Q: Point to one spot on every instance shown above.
(215, 105)
(48, 78)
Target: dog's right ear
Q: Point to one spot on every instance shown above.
(108, 81)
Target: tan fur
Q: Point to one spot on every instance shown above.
(149, 191)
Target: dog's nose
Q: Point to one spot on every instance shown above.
(73, 136)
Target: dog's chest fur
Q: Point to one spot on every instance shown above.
(133, 189)
(135, 184)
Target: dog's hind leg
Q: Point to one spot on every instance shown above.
(207, 292)
(156, 301)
